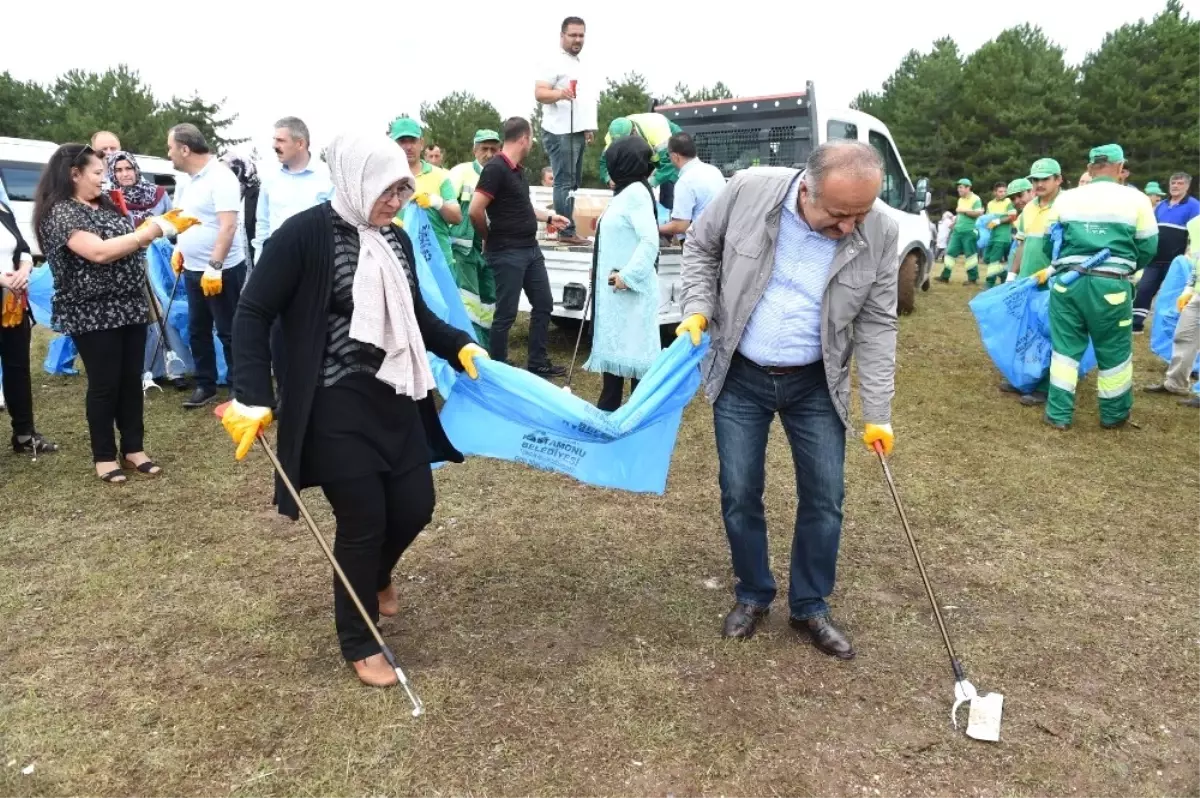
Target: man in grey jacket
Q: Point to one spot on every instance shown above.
(791, 273)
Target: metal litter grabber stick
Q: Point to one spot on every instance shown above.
(983, 722)
(173, 366)
(261, 440)
(587, 304)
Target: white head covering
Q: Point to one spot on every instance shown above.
(362, 167)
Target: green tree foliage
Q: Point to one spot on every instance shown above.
(451, 123)
(1140, 89)
(79, 103)
(629, 95)
(682, 94)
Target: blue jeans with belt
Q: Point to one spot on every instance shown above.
(748, 403)
(566, 161)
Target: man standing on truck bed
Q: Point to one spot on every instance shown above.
(569, 95)
(962, 237)
(505, 220)
(656, 130)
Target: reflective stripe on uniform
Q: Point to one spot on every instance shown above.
(1111, 383)
(1071, 259)
(1064, 372)
(995, 268)
(972, 261)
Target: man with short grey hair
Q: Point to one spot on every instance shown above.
(1172, 217)
(300, 182)
(791, 273)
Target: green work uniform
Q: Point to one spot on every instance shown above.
(436, 180)
(963, 238)
(995, 257)
(1099, 304)
(474, 278)
(657, 130)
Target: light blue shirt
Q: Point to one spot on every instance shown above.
(285, 193)
(699, 183)
(785, 327)
(212, 190)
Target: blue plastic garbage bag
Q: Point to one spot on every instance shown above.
(1014, 326)
(511, 414)
(1166, 316)
(983, 234)
(61, 354)
(60, 357)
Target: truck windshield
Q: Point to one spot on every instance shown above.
(739, 133)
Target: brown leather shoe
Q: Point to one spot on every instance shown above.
(389, 605)
(572, 241)
(825, 635)
(374, 671)
(742, 620)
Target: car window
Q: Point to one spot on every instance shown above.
(837, 129)
(20, 180)
(894, 188)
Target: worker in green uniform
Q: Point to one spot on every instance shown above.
(657, 130)
(962, 236)
(474, 278)
(995, 257)
(1099, 304)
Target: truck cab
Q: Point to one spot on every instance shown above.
(782, 130)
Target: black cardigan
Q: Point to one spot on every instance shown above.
(293, 282)
(9, 220)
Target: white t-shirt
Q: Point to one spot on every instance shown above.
(559, 70)
(8, 248)
(212, 190)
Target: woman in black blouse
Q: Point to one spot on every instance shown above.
(99, 297)
(357, 417)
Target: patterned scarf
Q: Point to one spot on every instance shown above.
(245, 171)
(142, 196)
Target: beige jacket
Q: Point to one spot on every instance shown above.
(727, 261)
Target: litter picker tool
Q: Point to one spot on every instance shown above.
(173, 364)
(418, 707)
(587, 305)
(983, 720)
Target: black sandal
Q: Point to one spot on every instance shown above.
(146, 469)
(114, 477)
(37, 444)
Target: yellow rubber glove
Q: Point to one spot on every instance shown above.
(210, 281)
(468, 355)
(1184, 298)
(1044, 275)
(14, 309)
(882, 433)
(693, 325)
(177, 263)
(992, 225)
(173, 222)
(427, 200)
(244, 423)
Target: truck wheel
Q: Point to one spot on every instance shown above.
(906, 290)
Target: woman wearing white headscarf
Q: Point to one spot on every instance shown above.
(357, 418)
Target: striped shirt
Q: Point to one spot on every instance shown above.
(1106, 215)
(1172, 227)
(785, 327)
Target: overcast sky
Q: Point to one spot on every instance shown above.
(355, 64)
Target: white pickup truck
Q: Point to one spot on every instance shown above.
(778, 130)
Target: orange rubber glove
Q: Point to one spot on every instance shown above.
(882, 433)
(693, 325)
(244, 423)
(1184, 298)
(177, 263)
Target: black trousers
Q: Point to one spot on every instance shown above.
(521, 268)
(18, 384)
(113, 360)
(612, 391)
(206, 311)
(1147, 287)
(378, 516)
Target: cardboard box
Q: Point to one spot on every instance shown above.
(588, 209)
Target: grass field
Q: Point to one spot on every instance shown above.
(175, 636)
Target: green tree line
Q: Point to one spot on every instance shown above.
(78, 103)
(989, 115)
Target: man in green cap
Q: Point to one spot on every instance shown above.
(1155, 193)
(962, 236)
(433, 193)
(474, 278)
(657, 130)
(995, 257)
(1099, 304)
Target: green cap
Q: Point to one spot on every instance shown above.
(1153, 188)
(404, 126)
(1043, 168)
(486, 135)
(620, 127)
(1112, 153)
(966, 181)
(1017, 186)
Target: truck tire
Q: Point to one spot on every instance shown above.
(906, 289)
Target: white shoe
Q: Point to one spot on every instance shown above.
(148, 382)
(2, 405)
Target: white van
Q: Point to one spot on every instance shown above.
(21, 164)
(777, 130)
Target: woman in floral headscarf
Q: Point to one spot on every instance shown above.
(140, 199)
(247, 175)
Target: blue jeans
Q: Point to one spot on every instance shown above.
(743, 414)
(563, 149)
